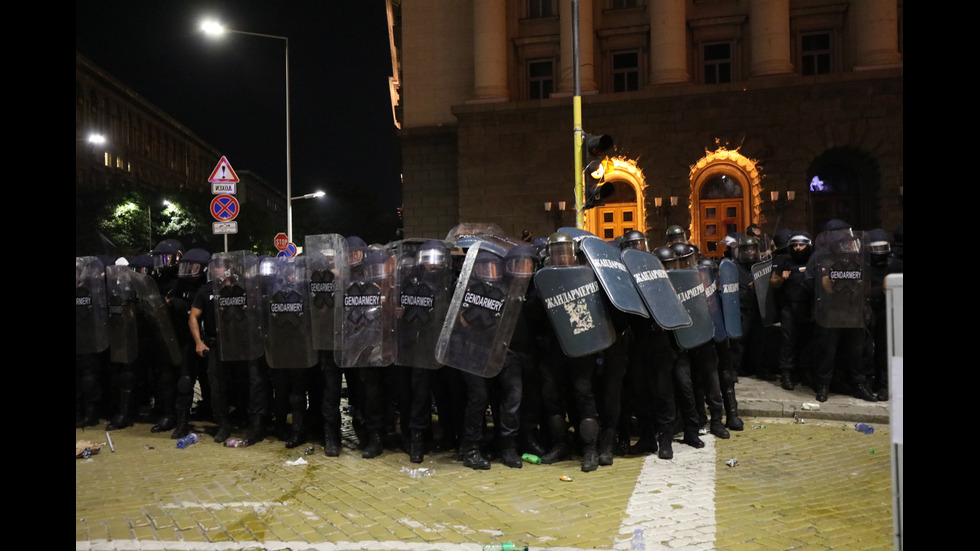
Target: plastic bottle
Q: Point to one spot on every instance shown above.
(531, 458)
(638, 542)
(232, 443)
(187, 440)
(863, 427)
(506, 546)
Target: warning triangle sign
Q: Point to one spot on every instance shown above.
(223, 172)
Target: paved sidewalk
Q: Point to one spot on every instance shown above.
(799, 483)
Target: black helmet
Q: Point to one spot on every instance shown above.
(376, 261)
(748, 250)
(561, 249)
(433, 253)
(708, 262)
(879, 243)
(488, 266)
(675, 234)
(520, 261)
(781, 238)
(634, 239)
(667, 256)
(796, 251)
(685, 254)
(193, 264)
(142, 263)
(166, 254)
(356, 248)
(836, 224)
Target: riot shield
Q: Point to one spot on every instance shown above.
(656, 289)
(91, 307)
(761, 271)
(288, 339)
(713, 295)
(424, 279)
(690, 290)
(155, 311)
(236, 305)
(123, 306)
(614, 276)
(482, 316)
(577, 308)
(322, 253)
(730, 300)
(840, 279)
(365, 321)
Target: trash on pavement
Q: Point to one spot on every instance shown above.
(812, 406)
(86, 448)
(299, 461)
(565, 478)
(420, 472)
(732, 462)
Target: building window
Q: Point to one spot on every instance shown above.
(540, 78)
(815, 53)
(541, 8)
(717, 62)
(626, 71)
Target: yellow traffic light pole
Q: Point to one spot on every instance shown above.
(577, 122)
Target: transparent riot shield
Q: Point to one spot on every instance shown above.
(123, 315)
(463, 234)
(366, 320)
(839, 279)
(288, 339)
(236, 304)
(482, 316)
(154, 311)
(91, 306)
(655, 288)
(615, 277)
(690, 291)
(761, 272)
(713, 295)
(577, 308)
(322, 253)
(424, 292)
(730, 299)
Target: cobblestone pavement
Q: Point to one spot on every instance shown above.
(803, 483)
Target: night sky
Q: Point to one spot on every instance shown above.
(230, 91)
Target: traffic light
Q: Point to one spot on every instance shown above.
(594, 166)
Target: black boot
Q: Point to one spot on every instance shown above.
(607, 442)
(822, 393)
(665, 442)
(331, 441)
(882, 393)
(531, 444)
(732, 420)
(166, 422)
(124, 418)
(717, 427)
(373, 448)
(508, 452)
(692, 439)
(89, 419)
(416, 446)
(786, 380)
(589, 433)
(560, 447)
(646, 444)
(224, 432)
(473, 459)
(256, 430)
(181, 427)
(862, 391)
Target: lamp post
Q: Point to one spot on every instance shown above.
(215, 28)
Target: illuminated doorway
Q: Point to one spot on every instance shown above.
(725, 188)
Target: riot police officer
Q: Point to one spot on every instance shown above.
(795, 302)
(175, 388)
(880, 263)
(749, 352)
(91, 339)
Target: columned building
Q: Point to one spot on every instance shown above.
(783, 113)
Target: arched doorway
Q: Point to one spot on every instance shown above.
(624, 209)
(725, 188)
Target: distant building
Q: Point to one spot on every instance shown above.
(719, 104)
(146, 149)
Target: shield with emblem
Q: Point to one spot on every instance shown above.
(577, 308)
(690, 291)
(615, 277)
(322, 252)
(839, 279)
(236, 305)
(423, 290)
(288, 339)
(730, 297)
(761, 271)
(365, 319)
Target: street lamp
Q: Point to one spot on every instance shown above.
(214, 28)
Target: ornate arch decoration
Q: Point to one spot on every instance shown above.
(624, 171)
(741, 169)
